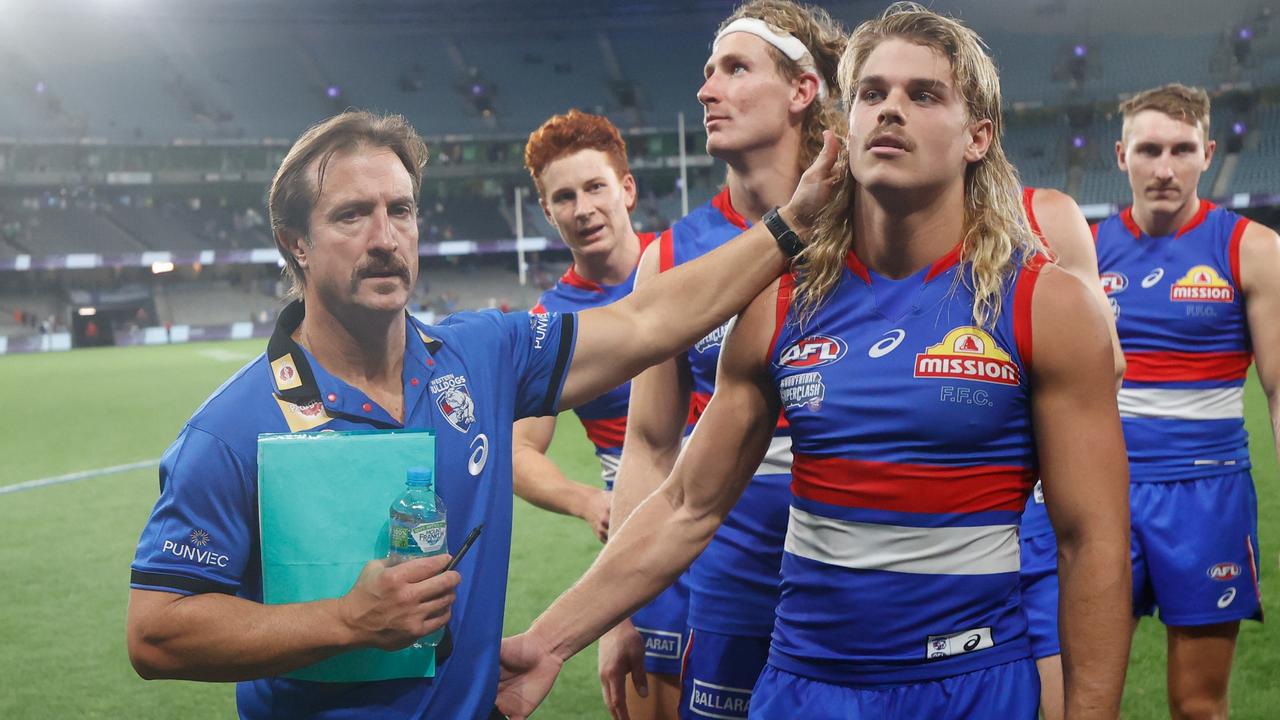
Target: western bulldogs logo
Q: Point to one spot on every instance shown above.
(454, 401)
(813, 351)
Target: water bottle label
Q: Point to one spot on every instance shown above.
(400, 538)
(429, 537)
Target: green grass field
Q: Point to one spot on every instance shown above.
(62, 614)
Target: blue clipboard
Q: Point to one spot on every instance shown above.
(323, 502)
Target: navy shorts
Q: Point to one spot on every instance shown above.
(1038, 581)
(1195, 550)
(1004, 692)
(719, 673)
(664, 625)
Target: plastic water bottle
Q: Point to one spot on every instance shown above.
(418, 527)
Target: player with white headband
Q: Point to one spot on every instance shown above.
(767, 99)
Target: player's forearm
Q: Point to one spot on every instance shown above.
(643, 558)
(222, 638)
(539, 482)
(642, 472)
(1094, 621)
(677, 308)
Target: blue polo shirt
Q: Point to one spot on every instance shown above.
(467, 379)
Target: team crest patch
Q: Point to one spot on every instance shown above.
(1202, 284)
(285, 373)
(968, 353)
(454, 400)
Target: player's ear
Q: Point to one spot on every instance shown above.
(1120, 161)
(980, 135)
(629, 191)
(1209, 148)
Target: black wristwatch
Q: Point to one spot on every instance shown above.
(787, 239)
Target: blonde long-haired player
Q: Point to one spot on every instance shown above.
(929, 362)
(769, 91)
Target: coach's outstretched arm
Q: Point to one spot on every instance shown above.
(670, 528)
(676, 309)
(1086, 484)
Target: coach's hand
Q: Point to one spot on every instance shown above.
(528, 672)
(391, 607)
(621, 654)
(815, 187)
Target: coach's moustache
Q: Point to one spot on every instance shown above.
(383, 268)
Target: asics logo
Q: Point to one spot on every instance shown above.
(886, 345)
(1153, 277)
(1227, 597)
(479, 455)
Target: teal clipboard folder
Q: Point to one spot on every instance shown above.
(323, 512)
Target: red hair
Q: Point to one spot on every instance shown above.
(566, 134)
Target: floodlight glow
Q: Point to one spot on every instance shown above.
(1077, 142)
(161, 267)
(1080, 51)
(1238, 127)
(41, 87)
(333, 91)
(87, 311)
(1245, 33)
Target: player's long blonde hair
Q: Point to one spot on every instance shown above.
(825, 40)
(996, 232)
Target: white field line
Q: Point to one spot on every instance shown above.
(81, 475)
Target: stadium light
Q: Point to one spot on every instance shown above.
(1245, 33)
(87, 311)
(333, 91)
(1080, 51)
(41, 87)
(163, 266)
(1077, 142)
(1239, 128)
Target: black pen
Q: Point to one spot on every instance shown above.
(466, 545)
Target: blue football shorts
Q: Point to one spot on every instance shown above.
(1195, 550)
(719, 673)
(1004, 692)
(1038, 581)
(664, 625)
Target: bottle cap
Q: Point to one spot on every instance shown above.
(418, 476)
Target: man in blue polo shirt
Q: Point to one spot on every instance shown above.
(345, 356)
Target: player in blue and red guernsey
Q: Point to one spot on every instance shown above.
(768, 94)
(579, 163)
(1056, 219)
(1196, 289)
(931, 364)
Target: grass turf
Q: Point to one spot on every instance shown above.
(62, 626)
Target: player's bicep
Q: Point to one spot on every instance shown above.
(733, 434)
(1077, 424)
(1260, 282)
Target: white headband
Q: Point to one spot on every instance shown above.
(787, 44)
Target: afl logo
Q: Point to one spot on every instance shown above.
(813, 351)
(1224, 571)
(1113, 283)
